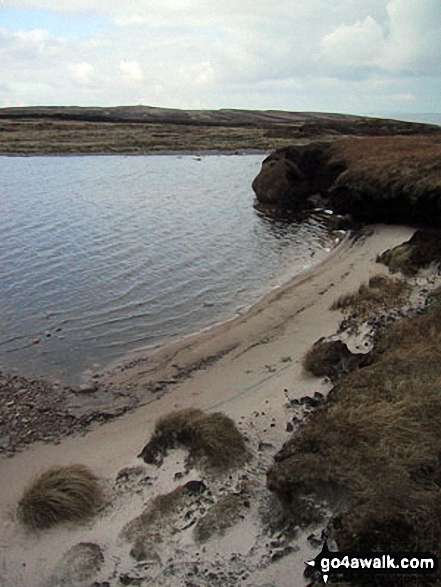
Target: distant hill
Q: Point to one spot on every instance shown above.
(146, 114)
(170, 115)
(55, 130)
(424, 117)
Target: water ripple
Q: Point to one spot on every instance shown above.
(101, 255)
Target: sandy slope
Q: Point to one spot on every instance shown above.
(255, 358)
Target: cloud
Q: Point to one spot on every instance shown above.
(131, 70)
(402, 97)
(291, 54)
(414, 40)
(197, 14)
(407, 41)
(83, 73)
(36, 46)
(356, 45)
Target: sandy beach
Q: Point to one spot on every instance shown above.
(247, 368)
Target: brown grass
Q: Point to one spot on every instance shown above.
(332, 358)
(61, 494)
(380, 292)
(376, 442)
(212, 439)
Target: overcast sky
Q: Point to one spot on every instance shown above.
(353, 56)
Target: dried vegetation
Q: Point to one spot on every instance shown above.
(61, 494)
(381, 293)
(213, 441)
(332, 358)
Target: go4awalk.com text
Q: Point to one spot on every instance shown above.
(351, 564)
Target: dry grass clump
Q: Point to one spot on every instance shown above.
(212, 439)
(376, 442)
(61, 494)
(423, 249)
(332, 358)
(380, 292)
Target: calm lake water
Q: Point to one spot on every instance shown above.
(103, 255)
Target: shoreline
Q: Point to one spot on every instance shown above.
(243, 313)
(257, 327)
(96, 398)
(149, 373)
(247, 367)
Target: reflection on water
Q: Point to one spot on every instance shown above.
(101, 255)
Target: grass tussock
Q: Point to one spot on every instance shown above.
(376, 442)
(422, 250)
(213, 440)
(380, 293)
(61, 494)
(332, 358)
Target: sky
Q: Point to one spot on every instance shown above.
(348, 56)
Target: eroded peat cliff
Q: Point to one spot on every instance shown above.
(374, 179)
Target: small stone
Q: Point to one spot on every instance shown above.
(87, 388)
